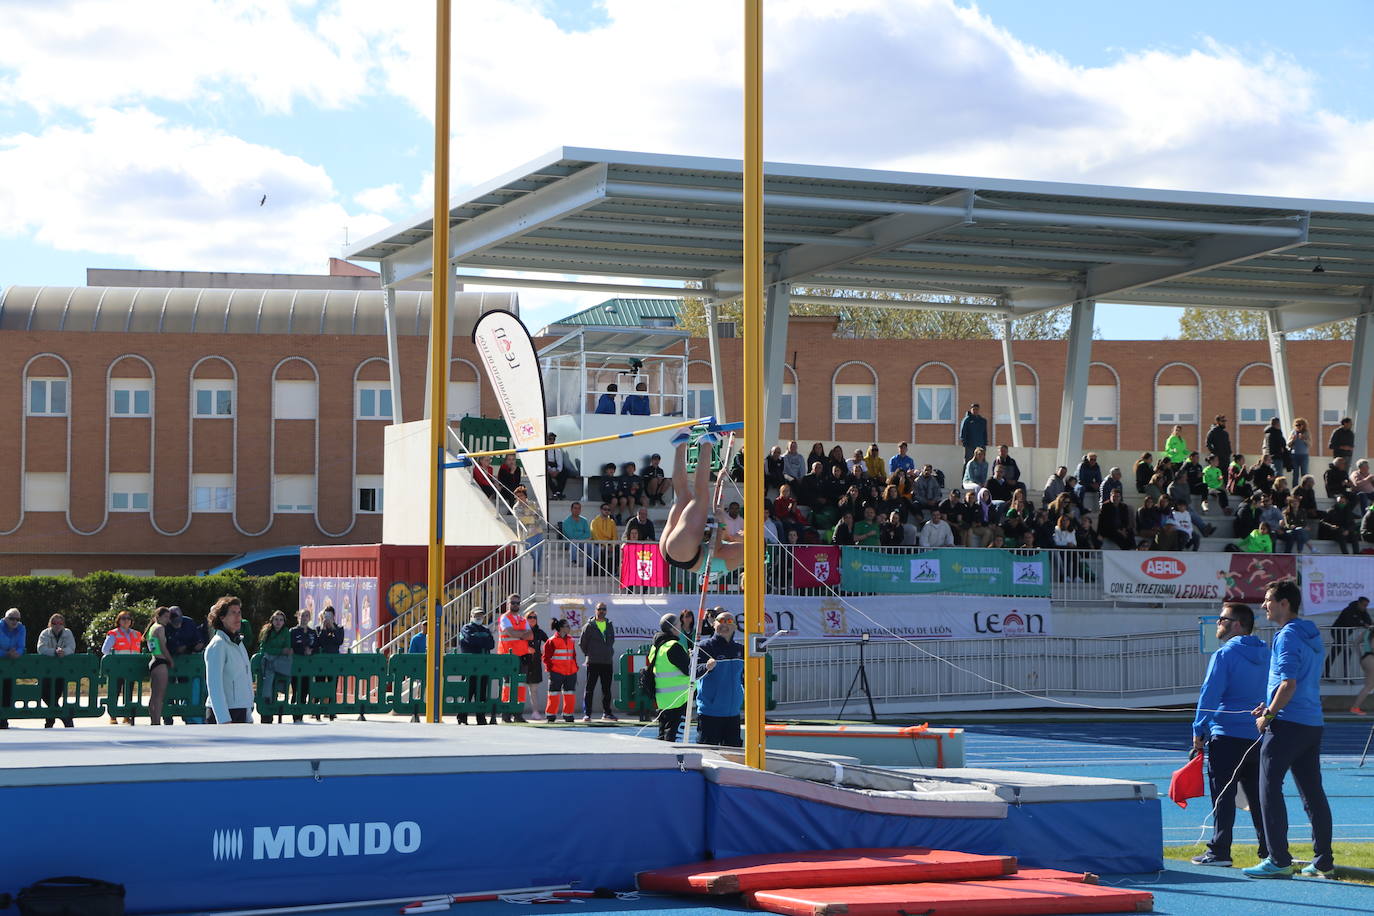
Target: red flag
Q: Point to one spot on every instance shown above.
(813, 567)
(641, 564)
(1187, 782)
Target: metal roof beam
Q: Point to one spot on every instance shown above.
(1293, 317)
(932, 305)
(1031, 253)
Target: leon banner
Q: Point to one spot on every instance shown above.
(641, 564)
(814, 566)
(513, 370)
(1329, 583)
(957, 570)
(1131, 575)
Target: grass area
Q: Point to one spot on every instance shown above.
(1348, 855)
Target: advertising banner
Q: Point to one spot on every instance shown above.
(1130, 575)
(819, 617)
(641, 564)
(352, 599)
(813, 567)
(1329, 583)
(960, 570)
(513, 370)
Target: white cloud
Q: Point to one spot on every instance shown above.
(130, 184)
(381, 199)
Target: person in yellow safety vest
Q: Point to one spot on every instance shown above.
(123, 640)
(514, 635)
(670, 662)
(560, 658)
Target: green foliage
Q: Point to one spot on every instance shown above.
(82, 600)
(1247, 324)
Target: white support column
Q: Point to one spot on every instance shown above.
(713, 350)
(393, 354)
(1013, 402)
(1361, 390)
(779, 297)
(1075, 399)
(1278, 363)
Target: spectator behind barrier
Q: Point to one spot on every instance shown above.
(13, 638)
(56, 641)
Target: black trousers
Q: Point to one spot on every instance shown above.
(239, 716)
(1289, 746)
(54, 693)
(722, 731)
(598, 672)
(670, 722)
(1224, 756)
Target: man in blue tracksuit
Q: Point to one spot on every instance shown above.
(1225, 726)
(1290, 726)
(720, 692)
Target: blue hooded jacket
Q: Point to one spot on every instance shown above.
(1235, 685)
(1297, 654)
(720, 691)
(16, 638)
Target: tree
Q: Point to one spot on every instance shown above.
(1248, 324)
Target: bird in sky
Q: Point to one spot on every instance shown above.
(263, 201)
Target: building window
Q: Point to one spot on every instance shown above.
(1332, 404)
(369, 489)
(374, 401)
(293, 493)
(787, 408)
(295, 399)
(464, 400)
(47, 397)
(658, 322)
(1100, 407)
(1025, 404)
(129, 492)
(212, 493)
(854, 403)
(50, 572)
(1176, 404)
(131, 397)
(934, 403)
(45, 492)
(701, 401)
(726, 330)
(214, 398)
(1257, 403)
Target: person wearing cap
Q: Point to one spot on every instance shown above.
(13, 638)
(670, 664)
(720, 695)
(598, 646)
(185, 637)
(55, 641)
(475, 639)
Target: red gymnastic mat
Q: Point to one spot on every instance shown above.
(823, 868)
(1010, 896)
(1078, 876)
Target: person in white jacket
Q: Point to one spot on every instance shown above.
(56, 641)
(936, 532)
(228, 675)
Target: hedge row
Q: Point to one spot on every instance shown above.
(81, 600)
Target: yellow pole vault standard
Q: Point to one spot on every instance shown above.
(753, 382)
(438, 363)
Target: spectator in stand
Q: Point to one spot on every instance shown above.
(1175, 447)
(655, 481)
(484, 476)
(1342, 443)
(976, 470)
(274, 648)
(786, 511)
(1192, 472)
(630, 489)
(54, 641)
(926, 492)
(937, 532)
(793, 464)
(606, 403)
(1066, 538)
(1218, 441)
(641, 527)
(1169, 537)
(1299, 447)
(1214, 485)
(1336, 478)
(637, 404)
(867, 529)
(475, 639)
(1268, 512)
(508, 476)
(527, 514)
(1089, 479)
(999, 487)
(576, 530)
(973, 432)
(1362, 484)
(560, 662)
(1261, 540)
(858, 465)
(1114, 521)
(986, 516)
(602, 555)
(1238, 478)
(1367, 528)
(1262, 473)
(1275, 444)
(1341, 524)
(890, 502)
(598, 647)
(1054, 485)
(557, 467)
(1306, 494)
(13, 640)
(1292, 531)
(1144, 470)
(836, 484)
(1016, 517)
(892, 532)
(901, 461)
(228, 674)
(843, 533)
(817, 453)
(874, 463)
(1011, 472)
(952, 510)
(810, 489)
(1147, 522)
(837, 460)
(1183, 521)
(773, 478)
(1110, 484)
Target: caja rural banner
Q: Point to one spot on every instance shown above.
(819, 617)
(1329, 583)
(961, 570)
(513, 370)
(1131, 575)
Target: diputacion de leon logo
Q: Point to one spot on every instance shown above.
(310, 841)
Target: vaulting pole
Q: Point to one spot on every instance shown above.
(753, 383)
(438, 362)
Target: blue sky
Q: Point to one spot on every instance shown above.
(143, 134)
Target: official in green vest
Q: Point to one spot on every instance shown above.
(670, 663)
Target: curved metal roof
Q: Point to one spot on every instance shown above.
(1014, 247)
(225, 311)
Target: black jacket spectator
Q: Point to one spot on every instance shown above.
(1218, 443)
(1143, 472)
(999, 489)
(186, 638)
(1342, 444)
(328, 640)
(1336, 479)
(1341, 524)
(1274, 442)
(1114, 524)
(302, 640)
(1010, 470)
(1262, 476)
(476, 639)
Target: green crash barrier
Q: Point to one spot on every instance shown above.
(633, 661)
(126, 685)
(47, 687)
(325, 685)
(407, 677)
(186, 689)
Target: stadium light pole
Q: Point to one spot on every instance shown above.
(438, 363)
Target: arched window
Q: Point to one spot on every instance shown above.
(1027, 401)
(1331, 396)
(1257, 402)
(1178, 401)
(701, 396)
(854, 398)
(787, 412)
(464, 390)
(934, 402)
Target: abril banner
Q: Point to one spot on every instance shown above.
(957, 570)
(636, 617)
(1329, 583)
(1129, 575)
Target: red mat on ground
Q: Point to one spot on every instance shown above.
(1054, 873)
(1009, 896)
(823, 868)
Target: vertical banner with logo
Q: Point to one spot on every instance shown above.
(1329, 583)
(952, 570)
(641, 564)
(513, 370)
(814, 566)
(1208, 577)
(368, 617)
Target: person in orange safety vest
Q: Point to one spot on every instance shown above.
(514, 635)
(560, 660)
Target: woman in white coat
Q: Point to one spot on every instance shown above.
(228, 675)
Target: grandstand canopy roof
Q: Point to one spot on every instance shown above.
(1006, 247)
